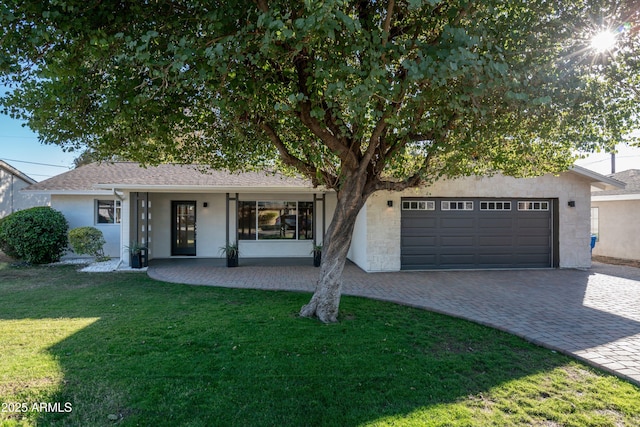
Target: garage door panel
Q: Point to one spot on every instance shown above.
(419, 241)
(418, 261)
(457, 223)
(533, 240)
(504, 240)
(419, 223)
(457, 241)
(446, 239)
(495, 223)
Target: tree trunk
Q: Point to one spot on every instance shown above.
(325, 301)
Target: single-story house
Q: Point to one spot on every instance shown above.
(474, 222)
(11, 198)
(615, 216)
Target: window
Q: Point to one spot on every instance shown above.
(448, 205)
(275, 220)
(595, 229)
(533, 206)
(108, 211)
(418, 205)
(495, 206)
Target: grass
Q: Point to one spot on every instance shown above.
(122, 349)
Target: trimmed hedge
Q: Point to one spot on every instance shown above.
(37, 235)
(87, 241)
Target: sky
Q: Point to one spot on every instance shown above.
(20, 147)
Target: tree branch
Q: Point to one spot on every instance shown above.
(305, 168)
(316, 127)
(262, 5)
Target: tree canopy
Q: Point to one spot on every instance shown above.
(358, 96)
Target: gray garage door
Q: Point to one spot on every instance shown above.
(454, 233)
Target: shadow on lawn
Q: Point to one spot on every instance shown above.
(175, 355)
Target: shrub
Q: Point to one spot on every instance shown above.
(37, 235)
(87, 241)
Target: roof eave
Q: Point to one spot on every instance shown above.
(208, 188)
(615, 197)
(597, 180)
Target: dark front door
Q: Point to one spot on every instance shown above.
(183, 233)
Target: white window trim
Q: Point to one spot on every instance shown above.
(503, 202)
(530, 205)
(467, 205)
(418, 205)
(117, 212)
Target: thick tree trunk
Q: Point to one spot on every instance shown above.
(325, 301)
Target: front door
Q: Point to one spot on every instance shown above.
(183, 233)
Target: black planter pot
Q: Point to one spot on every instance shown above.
(136, 261)
(317, 258)
(232, 261)
(139, 260)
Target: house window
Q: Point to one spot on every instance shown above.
(533, 206)
(448, 205)
(495, 206)
(275, 220)
(108, 211)
(418, 205)
(595, 229)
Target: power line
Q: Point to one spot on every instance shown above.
(35, 163)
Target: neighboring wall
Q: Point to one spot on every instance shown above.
(377, 246)
(13, 199)
(618, 229)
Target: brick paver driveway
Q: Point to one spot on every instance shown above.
(592, 315)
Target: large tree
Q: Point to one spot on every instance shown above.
(358, 96)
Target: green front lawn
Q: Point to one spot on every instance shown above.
(122, 349)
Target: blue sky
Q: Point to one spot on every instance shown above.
(20, 147)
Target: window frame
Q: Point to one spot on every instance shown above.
(254, 211)
(467, 205)
(531, 205)
(503, 205)
(418, 205)
(114, 211)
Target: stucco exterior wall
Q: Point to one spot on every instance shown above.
(80, 212)
(382, 226)
(210, 223)
(12, 199)
(618, 229)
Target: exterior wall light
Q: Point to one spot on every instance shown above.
(390, 203)
(572, 204)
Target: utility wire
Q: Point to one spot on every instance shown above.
(34, 163)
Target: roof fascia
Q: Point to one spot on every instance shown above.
(598, 180)
(13, 171)
(209, 189)
(615, 197)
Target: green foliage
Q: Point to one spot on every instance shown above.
(87, 241)
(37, 235)
(404, 91)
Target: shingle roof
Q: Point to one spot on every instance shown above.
(130, 175)
(630, 177)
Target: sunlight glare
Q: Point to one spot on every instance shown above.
(603, 41)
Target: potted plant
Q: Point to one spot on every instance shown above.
(317, 255)
(138, 253)
(232, 252)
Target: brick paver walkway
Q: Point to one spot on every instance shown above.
(592, 315)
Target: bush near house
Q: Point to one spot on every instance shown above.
(37, 235)
(87, 241)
